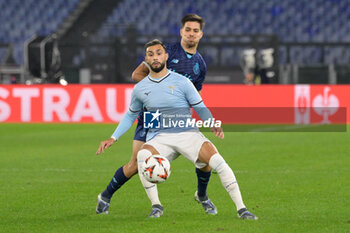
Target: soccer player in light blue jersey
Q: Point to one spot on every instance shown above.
(169, 91)
(186, 60)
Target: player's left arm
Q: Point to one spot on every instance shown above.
(197, 104)
(205, 114)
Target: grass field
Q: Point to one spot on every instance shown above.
(50, 177)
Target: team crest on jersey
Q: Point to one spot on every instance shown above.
(175, 61)
(172, 88)
(196, 68)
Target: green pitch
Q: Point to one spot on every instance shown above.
(50, 177)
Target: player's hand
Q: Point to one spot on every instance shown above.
(104, 145)
(218, 132)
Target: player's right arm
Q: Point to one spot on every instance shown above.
(140, 72)
(124, 125)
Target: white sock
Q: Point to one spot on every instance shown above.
(227, 178)
(150, 188)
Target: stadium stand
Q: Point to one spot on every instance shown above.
(302, 21)
(25, 19)
(2, 54)
(292, 21)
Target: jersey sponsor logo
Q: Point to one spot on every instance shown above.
(196, 68)
(175, 61)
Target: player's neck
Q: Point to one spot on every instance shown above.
(160, 74)
(191, 50)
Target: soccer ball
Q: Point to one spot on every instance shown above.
(156, 169)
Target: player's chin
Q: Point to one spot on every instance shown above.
(191, 43)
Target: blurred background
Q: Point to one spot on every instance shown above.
(101, 41)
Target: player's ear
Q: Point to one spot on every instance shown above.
(166, 56)
(200, 34)
(181, 29)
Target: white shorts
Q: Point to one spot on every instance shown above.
(171, 145)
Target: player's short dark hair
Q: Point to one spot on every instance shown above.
(154, 42)
(193, 18)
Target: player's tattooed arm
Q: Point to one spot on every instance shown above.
(140, 72)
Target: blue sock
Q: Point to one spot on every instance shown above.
(117, 181)
(203, 179)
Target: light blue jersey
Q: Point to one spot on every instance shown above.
(172, 96)
(171, 91)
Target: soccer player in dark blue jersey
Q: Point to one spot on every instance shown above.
(187, 61)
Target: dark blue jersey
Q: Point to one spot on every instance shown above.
(192, 67)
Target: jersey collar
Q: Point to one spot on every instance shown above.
(158, 80)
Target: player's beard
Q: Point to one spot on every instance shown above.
(191, 44)
(158, 69)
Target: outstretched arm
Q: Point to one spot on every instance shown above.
(205, 114)
(140, 72)
(123, 126)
